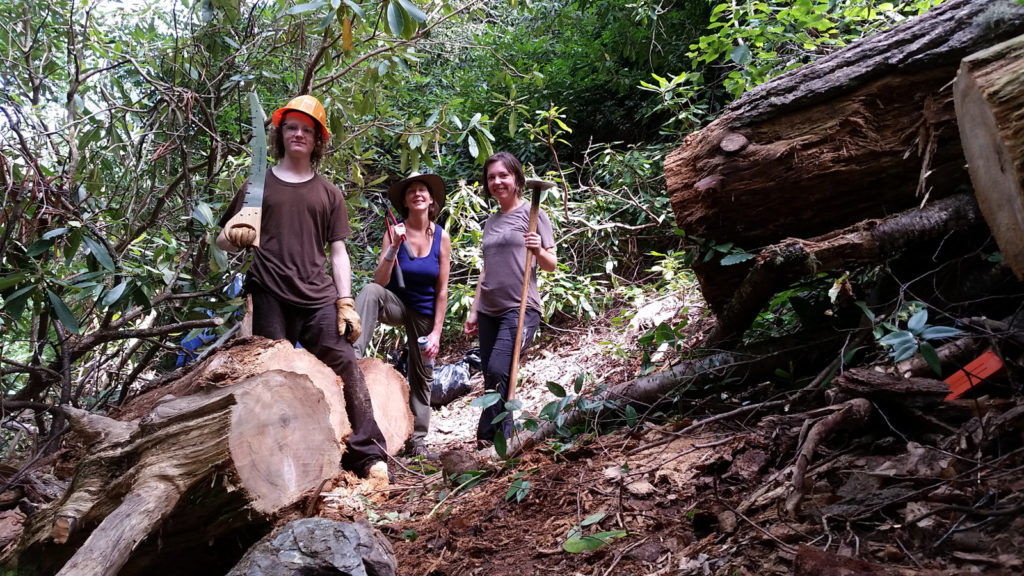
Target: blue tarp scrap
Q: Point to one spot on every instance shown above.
(190, 345)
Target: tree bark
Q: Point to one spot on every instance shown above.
(206, 464)
(891, 388)
(867, 242)
(865, 132)
(989, 97)
(268, 437)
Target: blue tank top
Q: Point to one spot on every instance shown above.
(420, 275)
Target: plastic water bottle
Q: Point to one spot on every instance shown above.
(423, 341)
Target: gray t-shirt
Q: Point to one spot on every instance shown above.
(505, 260)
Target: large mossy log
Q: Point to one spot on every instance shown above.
(195, 472)
(989, 101)
(865, 132)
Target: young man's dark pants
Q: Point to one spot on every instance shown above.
(317, 330)
(497, 339)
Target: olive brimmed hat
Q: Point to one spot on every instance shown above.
(396, 193)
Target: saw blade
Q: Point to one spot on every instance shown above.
(258, 170)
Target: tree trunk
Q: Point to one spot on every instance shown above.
(390, 394)
(268, 437)
(205, 465)
(778, 266)
(251, 356)
(989, 98)
(863, 133)
(876, 386)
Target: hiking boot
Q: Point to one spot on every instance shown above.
(485, 450)
(419, 448)
(378, 469)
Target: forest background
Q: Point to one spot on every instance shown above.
(124, 130)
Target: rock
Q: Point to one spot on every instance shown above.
(455, 463)
(320, 546)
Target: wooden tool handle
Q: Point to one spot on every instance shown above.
(513, 374)
(247, 217)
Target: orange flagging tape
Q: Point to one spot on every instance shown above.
(976, 371)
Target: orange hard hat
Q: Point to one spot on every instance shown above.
(308, 105)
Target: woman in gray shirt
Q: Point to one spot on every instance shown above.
(495, 311)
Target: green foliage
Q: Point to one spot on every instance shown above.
(125, 136)
(674, 269)
(586, 399)
(915, 338)
(810, 302)
(660, 338)
(756, 41)
(576, 541)
(519, 489)
(577, 296)
(681, 96)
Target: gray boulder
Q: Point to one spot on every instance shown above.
(320, 547)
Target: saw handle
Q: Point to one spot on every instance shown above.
(246, 222)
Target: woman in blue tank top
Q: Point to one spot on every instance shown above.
(424, 259)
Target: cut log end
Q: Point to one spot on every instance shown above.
(733, 142)
(390, 395)
(281, 440)
(988, 96)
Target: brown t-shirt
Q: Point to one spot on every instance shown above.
(505, 260)
(299, 221)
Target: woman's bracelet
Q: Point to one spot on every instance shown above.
(391, 253)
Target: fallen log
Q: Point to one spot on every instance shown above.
(268, 437)
(759, 360)
(865, 132)
(246, 358)
(866, 242)
(891, 388)
(389, 392)
(988, 96)
(197, 475)
(251, 356)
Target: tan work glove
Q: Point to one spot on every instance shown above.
(242, 235)
(348, 319)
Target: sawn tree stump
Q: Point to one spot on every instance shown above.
(197, 475)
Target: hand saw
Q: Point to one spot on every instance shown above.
(251, 214)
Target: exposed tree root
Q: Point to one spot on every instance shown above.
(851, 414)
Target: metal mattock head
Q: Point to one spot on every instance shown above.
(534, 184)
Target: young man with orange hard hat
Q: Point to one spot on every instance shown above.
(293, 295)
